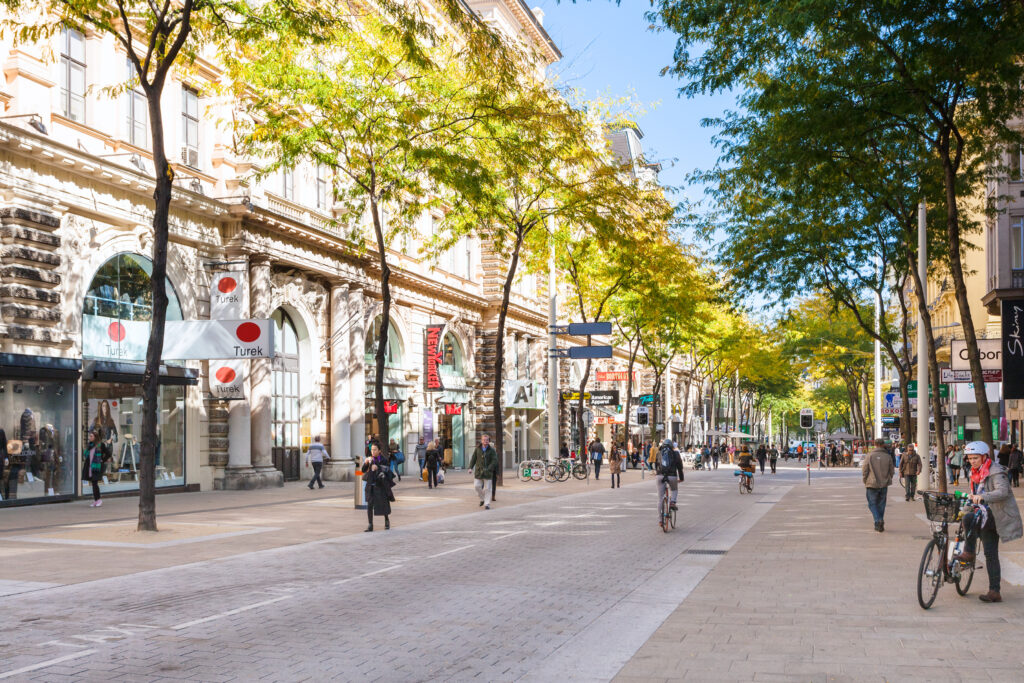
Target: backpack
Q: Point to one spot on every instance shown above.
(399, 456)
(666, 458)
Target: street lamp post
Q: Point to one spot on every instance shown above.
(553, 362)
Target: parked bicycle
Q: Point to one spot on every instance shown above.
(939, 564)
(746, 480)
(666, 513)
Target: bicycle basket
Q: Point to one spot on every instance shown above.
(940, 507)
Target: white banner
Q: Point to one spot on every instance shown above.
(104, 337)
(227, 379)
(216, 339)
(525, 394)
(228, 300)
(990, 350)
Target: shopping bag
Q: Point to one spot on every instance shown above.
(424, 474)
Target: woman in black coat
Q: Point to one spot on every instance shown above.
(377, 476)
(432, 462)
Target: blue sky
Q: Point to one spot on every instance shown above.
(608, 49)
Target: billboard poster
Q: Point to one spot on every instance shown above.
(104, 414)
(1013, 348)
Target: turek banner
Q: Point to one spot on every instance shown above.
(183, 339)
(1013, 349)
(228, 301)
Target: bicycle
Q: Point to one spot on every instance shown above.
(746, 480)
(560, 470)
(666, 513)
(938, 563)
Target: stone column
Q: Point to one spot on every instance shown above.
(340, 466)
(260, 388)
(357, 375)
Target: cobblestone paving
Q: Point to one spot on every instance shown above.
(568, 586)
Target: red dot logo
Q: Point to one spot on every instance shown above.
(225, 375)
(116, 331)
(248, 332)
(227, 285)
(113, 404)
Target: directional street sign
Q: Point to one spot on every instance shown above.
(912, 389)
(585, 352)
(584, 329)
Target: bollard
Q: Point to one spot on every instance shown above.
(359, 493)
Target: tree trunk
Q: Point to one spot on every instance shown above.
(383, 427)
(581, 422)
(499, 354)
(158, 287)
(960, 291)
(629, 384)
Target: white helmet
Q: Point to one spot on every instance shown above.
(976, 447)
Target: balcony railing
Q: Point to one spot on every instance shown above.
(1017, 278)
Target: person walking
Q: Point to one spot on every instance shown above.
(379, 480)
(877, 472)
(421, 454)
(432, 460)
(716, 453)
(910, 467)
(484, 463)
(762, 455)
(563, 452)
(997, 517)
(1016, 462)
(395, 458)
(315, 455)
(96, 455)
(956, 463)
(615, 459)
(773, 457)
(597, 455)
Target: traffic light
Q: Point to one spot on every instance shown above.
(807, 418)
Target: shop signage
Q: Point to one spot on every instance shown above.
(433, 354)
(947, 376)
(912, 389)
(575, 396)
(604, 398)
(428, 425)
(990, 351)
(210, 339)
(524, 394)
(613, 376)
(1013, 348)
(892, 405)
(227, 379)
(227, 295)
(390, 407)
(453, 409)
(122, 339)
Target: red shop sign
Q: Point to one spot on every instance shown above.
(434, 355)
(453, 409)
(390, 407)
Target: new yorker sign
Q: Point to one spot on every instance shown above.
(433, 355)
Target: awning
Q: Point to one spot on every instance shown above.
(18, 366)
(131, 373)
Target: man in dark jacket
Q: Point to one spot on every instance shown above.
(669, 466)
(910, 467)
(597, 455)
(762, 455)
(877, 472)
(484, 464)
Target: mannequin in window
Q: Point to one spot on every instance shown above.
(29, 437)
(49, 459)
(105, 423)
(5, 462)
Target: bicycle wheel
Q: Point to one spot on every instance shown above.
(663, 509)
(903, 482)
(963, 582)
(579, 471)
(551, 473)
(743, 484)
(537, 471)
(672, 517)
(929, 576)
(563, 472)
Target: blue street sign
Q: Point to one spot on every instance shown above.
(585, 352)
(584, 329)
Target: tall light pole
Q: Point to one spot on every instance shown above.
(922, 349)
(878, 361)
(552, 361)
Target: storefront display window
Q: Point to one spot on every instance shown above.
(393, 355)
(37, 439)
(115, 408)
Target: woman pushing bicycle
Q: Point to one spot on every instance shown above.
(995, 518)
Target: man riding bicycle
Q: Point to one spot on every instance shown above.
(669, 465)
(746, 462)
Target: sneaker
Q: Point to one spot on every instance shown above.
(92, 504)
(991, 596)
(881, 526)
(672, 506)
(487, 507)
(481, 502)
(99, 503)
(369, 528)
(877, 527)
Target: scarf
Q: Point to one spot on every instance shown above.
(979, 475)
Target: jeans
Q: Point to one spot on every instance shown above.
(876, 503)
(597, 469)
(911, 480)
(954, 474)
(616, 479)
(673, 484)
(1015, 478)
(714, 459)
(95, 488)
(317, 466)
(760, 461)
(989, 541)
(773, 462)
(483, 490)
(431, 476)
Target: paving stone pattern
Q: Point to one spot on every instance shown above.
(535, 577)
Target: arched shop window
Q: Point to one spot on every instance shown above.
(285, 418)
(452, 355)
(119, 308)
(393, 355)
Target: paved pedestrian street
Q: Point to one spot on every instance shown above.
(579, 583)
